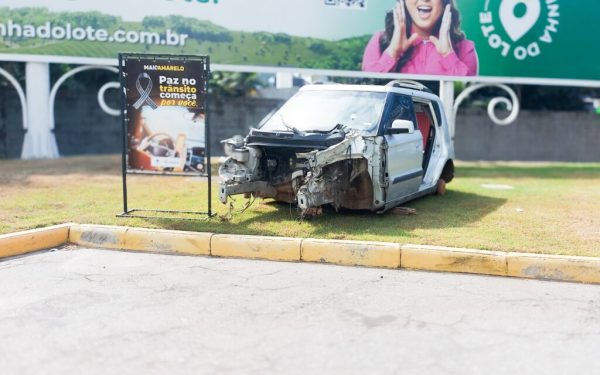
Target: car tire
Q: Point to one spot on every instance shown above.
(448, 172)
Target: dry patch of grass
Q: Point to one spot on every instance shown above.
(551, 208)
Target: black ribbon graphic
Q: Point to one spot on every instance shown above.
(144, 92)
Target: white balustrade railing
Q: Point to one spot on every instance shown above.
(102, 91)
(512, 105)
(13, 81)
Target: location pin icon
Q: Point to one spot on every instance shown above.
(516, 26)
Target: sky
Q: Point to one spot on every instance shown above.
(295, 17)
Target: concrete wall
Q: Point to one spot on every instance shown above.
(82, 128)
(11, 124)
(236, 116)
(535, 136)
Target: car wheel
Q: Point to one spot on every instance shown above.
(448, 172)
(441, 187)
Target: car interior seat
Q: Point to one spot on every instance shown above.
(424, 123)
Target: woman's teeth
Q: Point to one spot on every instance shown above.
(424, 10)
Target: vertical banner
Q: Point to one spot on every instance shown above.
(165, 113)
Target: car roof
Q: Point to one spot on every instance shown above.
(370, 88)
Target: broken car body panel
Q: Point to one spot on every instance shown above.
(355, 147)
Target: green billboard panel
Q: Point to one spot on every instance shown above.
(542, 41)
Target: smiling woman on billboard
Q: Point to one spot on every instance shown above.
(436, 45)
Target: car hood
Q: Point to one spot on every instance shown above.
(319, 141)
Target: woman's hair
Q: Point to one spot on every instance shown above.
(456, 35)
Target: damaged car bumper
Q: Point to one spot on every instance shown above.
(290, 170)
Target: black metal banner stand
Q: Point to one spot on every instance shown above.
(133, 212)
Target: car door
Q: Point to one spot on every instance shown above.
(405, 151)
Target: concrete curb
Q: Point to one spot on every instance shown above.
(20, 243)
(347, 253)
(168, 241)
(553, 267)
(256, 247)
(141, 239)
(352, 253)
(104, 236)
(447, 259)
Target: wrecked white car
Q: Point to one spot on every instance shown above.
(355, 147)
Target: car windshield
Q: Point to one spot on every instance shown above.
(322, 111)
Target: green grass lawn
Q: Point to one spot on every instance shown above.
(552, 208)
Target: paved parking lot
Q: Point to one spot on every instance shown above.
(102, 312)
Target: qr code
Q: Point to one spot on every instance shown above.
(348, 4)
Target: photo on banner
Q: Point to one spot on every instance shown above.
(527, 41)
(165, 112)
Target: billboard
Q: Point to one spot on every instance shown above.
(165, 113)
(537, 41)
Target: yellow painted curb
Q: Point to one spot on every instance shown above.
(33, 240)
(104, 236)
(437, 258)
(256, 247)
(552, 267)
(352, 253)
(167, 241)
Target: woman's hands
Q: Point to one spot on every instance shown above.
(444, 43)
(400, 43)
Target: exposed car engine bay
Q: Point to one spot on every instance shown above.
(325, 169)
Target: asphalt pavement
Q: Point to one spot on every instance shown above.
(91, 311)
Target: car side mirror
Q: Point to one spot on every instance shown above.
(401, 127)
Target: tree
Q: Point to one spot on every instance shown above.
(224, 84)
